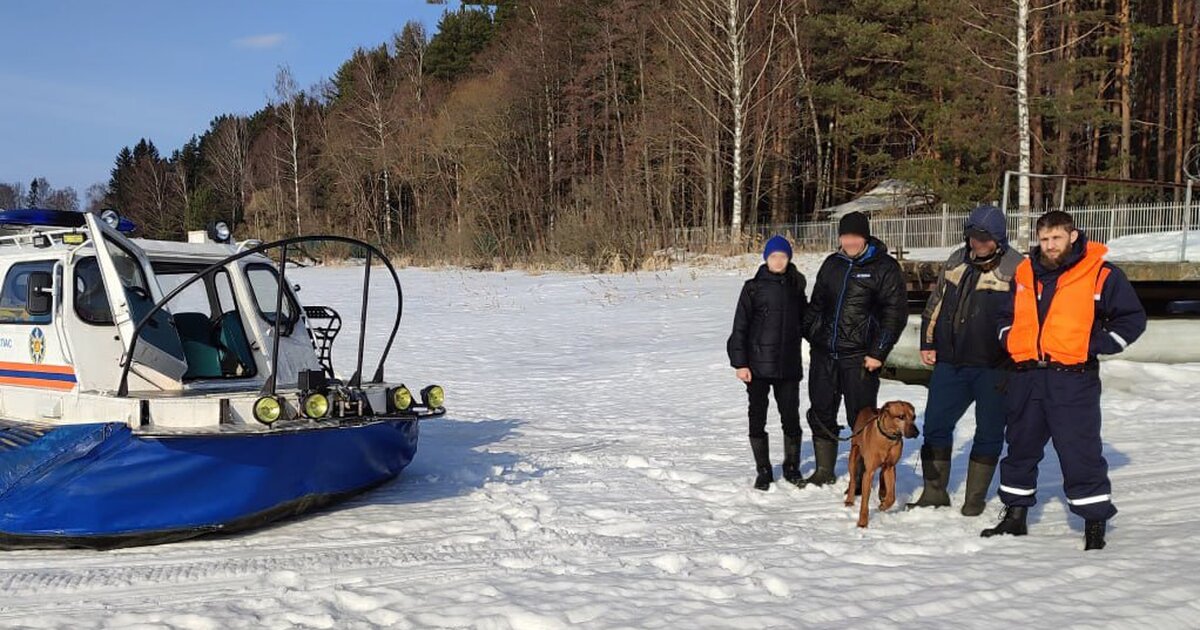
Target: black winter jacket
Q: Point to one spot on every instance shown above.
(766, 328)
(859, 305)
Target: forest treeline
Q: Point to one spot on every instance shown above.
(588, 130)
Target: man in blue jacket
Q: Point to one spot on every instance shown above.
(958, 339)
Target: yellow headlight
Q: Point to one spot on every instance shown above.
(267, 410)
(402, 399)
(433, 396)
(316, 405)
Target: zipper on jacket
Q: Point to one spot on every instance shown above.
(787, 308)
(971, 276)
(1037, 311)
(837, 317)
(783, 285)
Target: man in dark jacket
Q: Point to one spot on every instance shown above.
(859, 308)
(1068, 307)
(957, 338)
(764, 348)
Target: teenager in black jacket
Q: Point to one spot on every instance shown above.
(765, 349)
(859, 308)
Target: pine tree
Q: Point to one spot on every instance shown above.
(39, 190)
(461, 36)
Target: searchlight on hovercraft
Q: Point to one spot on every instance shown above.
(152, 391)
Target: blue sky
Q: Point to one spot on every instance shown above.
(79, 79)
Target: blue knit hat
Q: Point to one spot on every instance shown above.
(777, 243)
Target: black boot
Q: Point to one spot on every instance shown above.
(1012, 523)
(825, 452)
(935, 469)
(1093, 535)
(980, 471)
(762, 462)
(791, 460)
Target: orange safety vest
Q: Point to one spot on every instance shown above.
(1067, 330)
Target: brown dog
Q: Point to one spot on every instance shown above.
(877, 444)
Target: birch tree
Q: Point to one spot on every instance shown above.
(367, 110)
(1017, 67)
(713, 39)
(94, 197)
(287, 108)
(806, 89)
(12, 194)
(226, 157)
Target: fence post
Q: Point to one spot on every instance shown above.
(945, 224)
(1112, 222)
(904, 235)
(1187, 219)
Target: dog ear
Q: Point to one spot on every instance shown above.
(910, 427)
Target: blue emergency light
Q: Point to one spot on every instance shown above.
(55, 218)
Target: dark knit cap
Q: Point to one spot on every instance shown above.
(855, 223)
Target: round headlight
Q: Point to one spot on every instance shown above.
(433, 396)
(315, 405)
(110, 217)
(401, 399)
(268, 409)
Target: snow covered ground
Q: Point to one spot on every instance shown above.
(1162, 246)
(594, 472)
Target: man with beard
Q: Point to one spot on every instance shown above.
(858, 309)
(1068, 306)
(958, 339)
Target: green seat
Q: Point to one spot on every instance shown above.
(231, 337)
(203, 358)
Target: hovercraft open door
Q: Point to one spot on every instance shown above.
(132, 292)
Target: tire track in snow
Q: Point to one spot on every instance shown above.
(105, 587)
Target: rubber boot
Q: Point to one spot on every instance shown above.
(935, 468)
(791, 460)
(761, 447)
(825, 452)
(1012, 523)
(980, 471)
(1093, 535)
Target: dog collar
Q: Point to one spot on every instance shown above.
(897, 437)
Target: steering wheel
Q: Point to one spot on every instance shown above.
(285, 327)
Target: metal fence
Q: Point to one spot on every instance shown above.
(913, 232)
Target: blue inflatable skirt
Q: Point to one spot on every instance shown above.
(102, 486)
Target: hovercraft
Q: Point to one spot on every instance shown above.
(153, 391)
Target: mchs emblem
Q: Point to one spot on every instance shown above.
(37, 345)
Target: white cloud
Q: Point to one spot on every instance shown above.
(265, 40)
